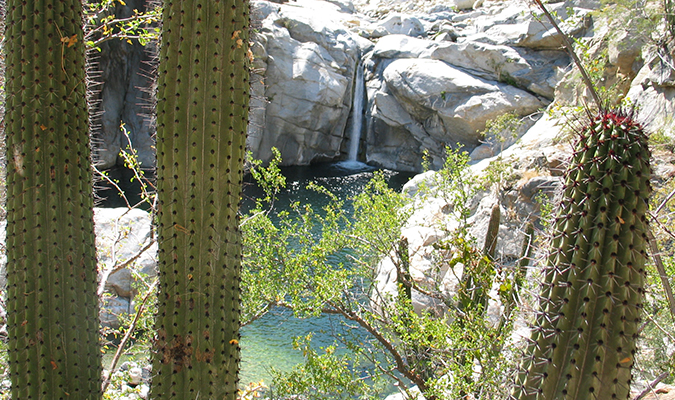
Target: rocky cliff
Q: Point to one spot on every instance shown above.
(121, 79)
(434, 75)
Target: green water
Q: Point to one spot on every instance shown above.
(267, 342)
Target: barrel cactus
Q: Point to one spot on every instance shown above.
(51, 261)
(583, 343)
(202, 116)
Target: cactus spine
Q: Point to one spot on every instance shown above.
(51, 264)
(583, 343)
(202, 115)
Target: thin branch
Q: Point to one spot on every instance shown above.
(662, 225)
(248, 218)
(656, 255)
(125, 264)
(649, 320)
(253, 391)
(568, 46)
(391, 349)
(260, 313)
(651, 386)
(115, 22)
(659, 327)
(120, 36)
(127, 336)
(664, 202)
(107, 178)
(370, 356)
(663, 60)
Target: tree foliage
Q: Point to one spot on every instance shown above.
(327, 260)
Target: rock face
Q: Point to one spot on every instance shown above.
(535, 172)
(434, 75)
(121, 84)
(308, 60)
(653, 90)
(434, 104)
(433, 79)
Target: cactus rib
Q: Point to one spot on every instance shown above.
(202, 115)
(51, 262)
(583, 343)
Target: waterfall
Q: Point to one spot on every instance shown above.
(357, 114)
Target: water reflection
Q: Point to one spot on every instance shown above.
(268, 341)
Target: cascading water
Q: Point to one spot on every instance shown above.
(357, 114)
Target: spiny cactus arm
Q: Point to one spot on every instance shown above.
(202, 114)
(583, 344)
(618, 308)
(51, 264)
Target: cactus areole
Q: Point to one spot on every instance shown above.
(202, 116)
(52, 306)
(583, 343)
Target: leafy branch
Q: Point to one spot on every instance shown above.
(102, 25)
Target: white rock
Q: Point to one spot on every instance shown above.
(144, 392)
(401, 46)
(482, 152)
(537, 71)
(346, 6)
(112, 308)
(514, 27)
(414, 185)
(310, 62)
(135, 376)
(653, 92)
(401, 24)
(120, 283)
(309, 50)
(436, 104)
(400, 396)
(463, 4)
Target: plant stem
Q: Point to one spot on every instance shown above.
(652, 385)
(127, 336)
(656, 255)
(568, 46)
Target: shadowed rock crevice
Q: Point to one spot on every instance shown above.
(122, 75)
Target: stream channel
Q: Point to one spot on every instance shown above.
(268, 342)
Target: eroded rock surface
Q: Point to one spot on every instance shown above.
(434, 75)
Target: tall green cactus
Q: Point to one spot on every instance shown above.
(51, 264)
(583, 344)
(202, 115)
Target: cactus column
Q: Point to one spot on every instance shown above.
(583, 343)
(202, 115)
(51, 265)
